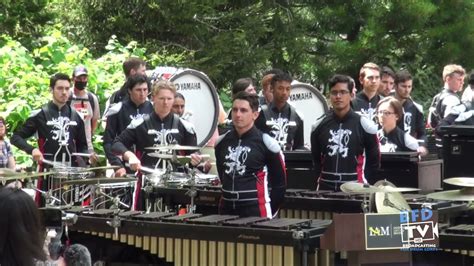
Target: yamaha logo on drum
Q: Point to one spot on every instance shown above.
(301, 96)
(188, 86)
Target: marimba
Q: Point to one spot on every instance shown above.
(193, 239)
(458, 239)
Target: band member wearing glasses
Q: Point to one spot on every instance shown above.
(391, 137)
(344, 144)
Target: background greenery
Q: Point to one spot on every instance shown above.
(226, 40)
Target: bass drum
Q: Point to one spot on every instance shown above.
(309, 103)
(202, 107)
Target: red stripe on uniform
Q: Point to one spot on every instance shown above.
(261, 192)
(360, 168)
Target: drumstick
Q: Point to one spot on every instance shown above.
(86, 154)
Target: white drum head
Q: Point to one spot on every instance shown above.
(309, 103)
(200, 95)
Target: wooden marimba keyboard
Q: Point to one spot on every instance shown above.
(193, 239)
(458, 239)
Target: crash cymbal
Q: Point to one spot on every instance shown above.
(174, 147)
(465, 194)
(7, 172)
(355, 187)
(102, 180)
(460, 181)
(389, 202)
(20, 176)
(90, 169)
(387, 186)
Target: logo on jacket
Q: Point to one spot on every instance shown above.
(339, 139)
(136, 117)
(407, 122)
(236, 159)
(60, 128)
(369, 113)
(385, 144)
(279, 129)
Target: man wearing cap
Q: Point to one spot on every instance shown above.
(85, 103)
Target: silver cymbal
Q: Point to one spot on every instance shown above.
(460, 181)
(7, 172)
(355, 187)
(465, 194)
(389, 202)
(19, 176)
(174, 147)
(102, 180)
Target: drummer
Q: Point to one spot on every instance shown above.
(344, 144)
(161, 127)
(248, 161)
(279, 119)
(133, 107)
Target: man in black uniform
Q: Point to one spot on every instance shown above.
(413, 121)
(344, 144)
(161, 127)
(58, 126)
(366, 100)
(247, 162)
(120, 115)
(279, 118)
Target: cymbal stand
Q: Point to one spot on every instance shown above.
(365, 205)
(115, 200)
(192, 191)
(48, 195)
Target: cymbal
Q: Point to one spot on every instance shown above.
(19, 176)
(84, 169)
(387, 186)
(392, 202)
(460, 181)
(7, 172)
(174, 147)
(465, 194)
(102, 180)
(355, 187)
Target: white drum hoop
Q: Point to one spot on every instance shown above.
(308, 102)
(117, 185)
(199, 93)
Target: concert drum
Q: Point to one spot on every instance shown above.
(310, 103)
(202, 105)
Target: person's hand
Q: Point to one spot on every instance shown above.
(133, 161)
(37, 155)
(93, 158)
(422, 151)
(120, 172)
(196, 159)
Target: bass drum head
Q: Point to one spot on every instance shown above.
(201, 107)
(309, 103)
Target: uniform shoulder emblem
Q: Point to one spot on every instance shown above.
(136, 122)
(418, 106)
(220, 138)
(318, 122)
(271, 143)
(368, 125)
(188, 126)
(114, 109)
(34, 113)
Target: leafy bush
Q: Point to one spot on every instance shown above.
(24, 75)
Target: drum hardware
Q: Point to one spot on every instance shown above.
(115, 200)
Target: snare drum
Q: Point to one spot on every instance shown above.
(207, 180)
(177, 179)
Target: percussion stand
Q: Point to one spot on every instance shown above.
(192, 191)
(365, 205)
(115, 200)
